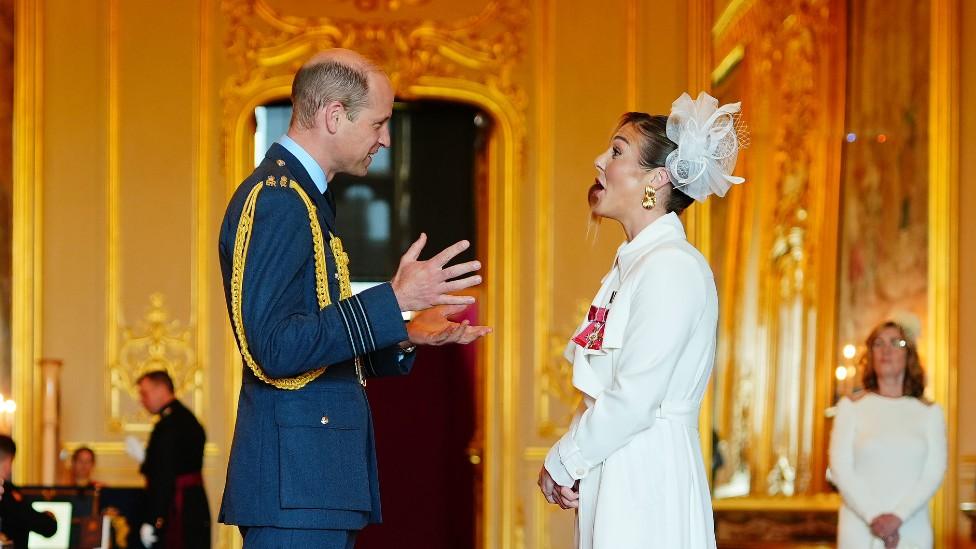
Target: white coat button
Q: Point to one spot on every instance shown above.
(325, 420)
(580, 472)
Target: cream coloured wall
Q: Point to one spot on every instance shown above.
(125, 211)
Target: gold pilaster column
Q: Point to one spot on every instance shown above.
(50, 370)
(943, 253)
(27, 215)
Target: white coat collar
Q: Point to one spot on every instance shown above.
(665, 228)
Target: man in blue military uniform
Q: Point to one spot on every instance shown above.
(302, 468)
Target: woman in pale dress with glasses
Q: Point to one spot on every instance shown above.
(631, 463)
(887, 449)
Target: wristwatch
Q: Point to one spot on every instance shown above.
(404, 351)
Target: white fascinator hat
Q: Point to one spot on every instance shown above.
(709, 137)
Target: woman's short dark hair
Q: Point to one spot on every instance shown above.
(655, 147)
(914, 384)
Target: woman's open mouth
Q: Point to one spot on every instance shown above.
(595, 192)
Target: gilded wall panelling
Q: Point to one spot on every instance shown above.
(797, 49)
(26, 280)
(794, 48)
(943, 257)
(156, 343)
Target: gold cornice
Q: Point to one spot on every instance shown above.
(26, 275)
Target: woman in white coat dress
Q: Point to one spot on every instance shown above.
(887, 449)
(630, 462)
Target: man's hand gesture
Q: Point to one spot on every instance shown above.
(419, 285)
(433, 327)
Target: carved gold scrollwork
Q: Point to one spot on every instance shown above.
(156, 343)
(791, 82)
(554, 390)
(483, 50)
(387, 5)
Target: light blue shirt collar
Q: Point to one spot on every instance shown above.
(311, 166)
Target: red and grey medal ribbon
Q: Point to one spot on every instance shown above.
(591, 336)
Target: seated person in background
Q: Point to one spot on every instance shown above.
(18, 518)
(82, 465)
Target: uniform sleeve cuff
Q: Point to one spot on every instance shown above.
(372, 319)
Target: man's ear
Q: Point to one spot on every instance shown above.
(331, 116)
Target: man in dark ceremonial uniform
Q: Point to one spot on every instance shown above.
(178, 516)
(302, 470)
(17, 518)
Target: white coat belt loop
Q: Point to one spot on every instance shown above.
(684, 412)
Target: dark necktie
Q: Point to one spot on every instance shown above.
(330, 198)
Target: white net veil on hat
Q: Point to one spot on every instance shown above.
(708, 138)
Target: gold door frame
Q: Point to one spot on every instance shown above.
(451, 61)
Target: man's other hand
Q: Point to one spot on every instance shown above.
(434, 327)
(135, 449)
(418, 285)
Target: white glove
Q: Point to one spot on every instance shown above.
(136, 450)
(148, 535)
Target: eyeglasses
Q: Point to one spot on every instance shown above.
(879, 343)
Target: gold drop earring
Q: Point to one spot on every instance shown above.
(650, 197)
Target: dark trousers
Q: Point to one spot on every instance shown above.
(267, 537)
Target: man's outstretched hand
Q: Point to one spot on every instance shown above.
(419, 285)
(433, 327)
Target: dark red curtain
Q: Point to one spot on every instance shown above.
(424, 423)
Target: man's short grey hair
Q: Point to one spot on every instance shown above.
(319, 84)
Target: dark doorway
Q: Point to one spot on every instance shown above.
(429, 180)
